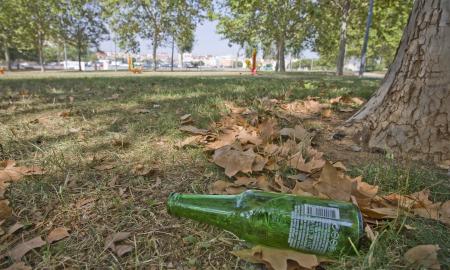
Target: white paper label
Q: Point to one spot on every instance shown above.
(315, 228)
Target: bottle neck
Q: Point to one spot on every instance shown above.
(217, 210)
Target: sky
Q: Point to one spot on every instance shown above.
(207, 41)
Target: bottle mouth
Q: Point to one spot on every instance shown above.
(361, 226)
(170, 201)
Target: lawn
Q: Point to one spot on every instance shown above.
(108, 144)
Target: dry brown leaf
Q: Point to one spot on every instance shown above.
(185, 117)
(5, 210)
(234, 161)
(272, 165)
(381, 213)
(224, 187)
(437, 211)
(123, 249)
(421, 198)
(116, 237)
(249, 137)
(120, 250)
(142, 170)
(10, 173)
(298, 132)
(327, 113)
(357, 100)
(85, 203)
(340, 165)
(346, 109)
(64, 114)
(14, 228)
(227, 137)
(288, 148)
(194, 130)
(277, 259)
(369, 233)
(399, 200)
(298, 162)
(57, 234)
(423, 256)
(268, 129)
(334, 183)
(259, 163)
(189, 141)
(219, 187)
(19, 266)
(23, 248)
(263, 183)
(279, 184)
(105, 167)
(307, 107)
(271, 149)
(233, 108)
(304, 188)
(363, 192)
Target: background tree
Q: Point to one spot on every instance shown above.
(37, 19)
(335, 23)
(410, 112)
(269, 22)
(186, 15)
(81, 25)
(339, 30)
(9, 22)
(144, 19)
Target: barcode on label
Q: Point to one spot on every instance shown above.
(320, 211)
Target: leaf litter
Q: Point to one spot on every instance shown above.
(253, 150)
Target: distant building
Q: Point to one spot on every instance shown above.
(101, 55)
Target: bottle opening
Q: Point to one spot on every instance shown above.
(170, 201)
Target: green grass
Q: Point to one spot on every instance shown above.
(65, 147)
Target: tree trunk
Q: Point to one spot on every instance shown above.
(181, 59)
(7, 58)
(40, 51)
(277, 64)
(79, 59)
(171, 59)
(362, 66)
(410, 113)
(281, 57)
(343, 39)
(155, 48)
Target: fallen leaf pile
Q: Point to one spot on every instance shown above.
(257, 154)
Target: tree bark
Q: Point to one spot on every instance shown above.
(281, 56)
(362, 67)
(79, 58)
(155, 48)
(343, 39)
(277, 63)
(40, 51)
(409, 115)
(181, 59)
(171, 59)
(7, 58)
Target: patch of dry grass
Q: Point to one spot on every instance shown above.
(113, 124)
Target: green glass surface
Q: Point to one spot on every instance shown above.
(311, 225)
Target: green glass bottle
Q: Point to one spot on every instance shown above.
(323, 227)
